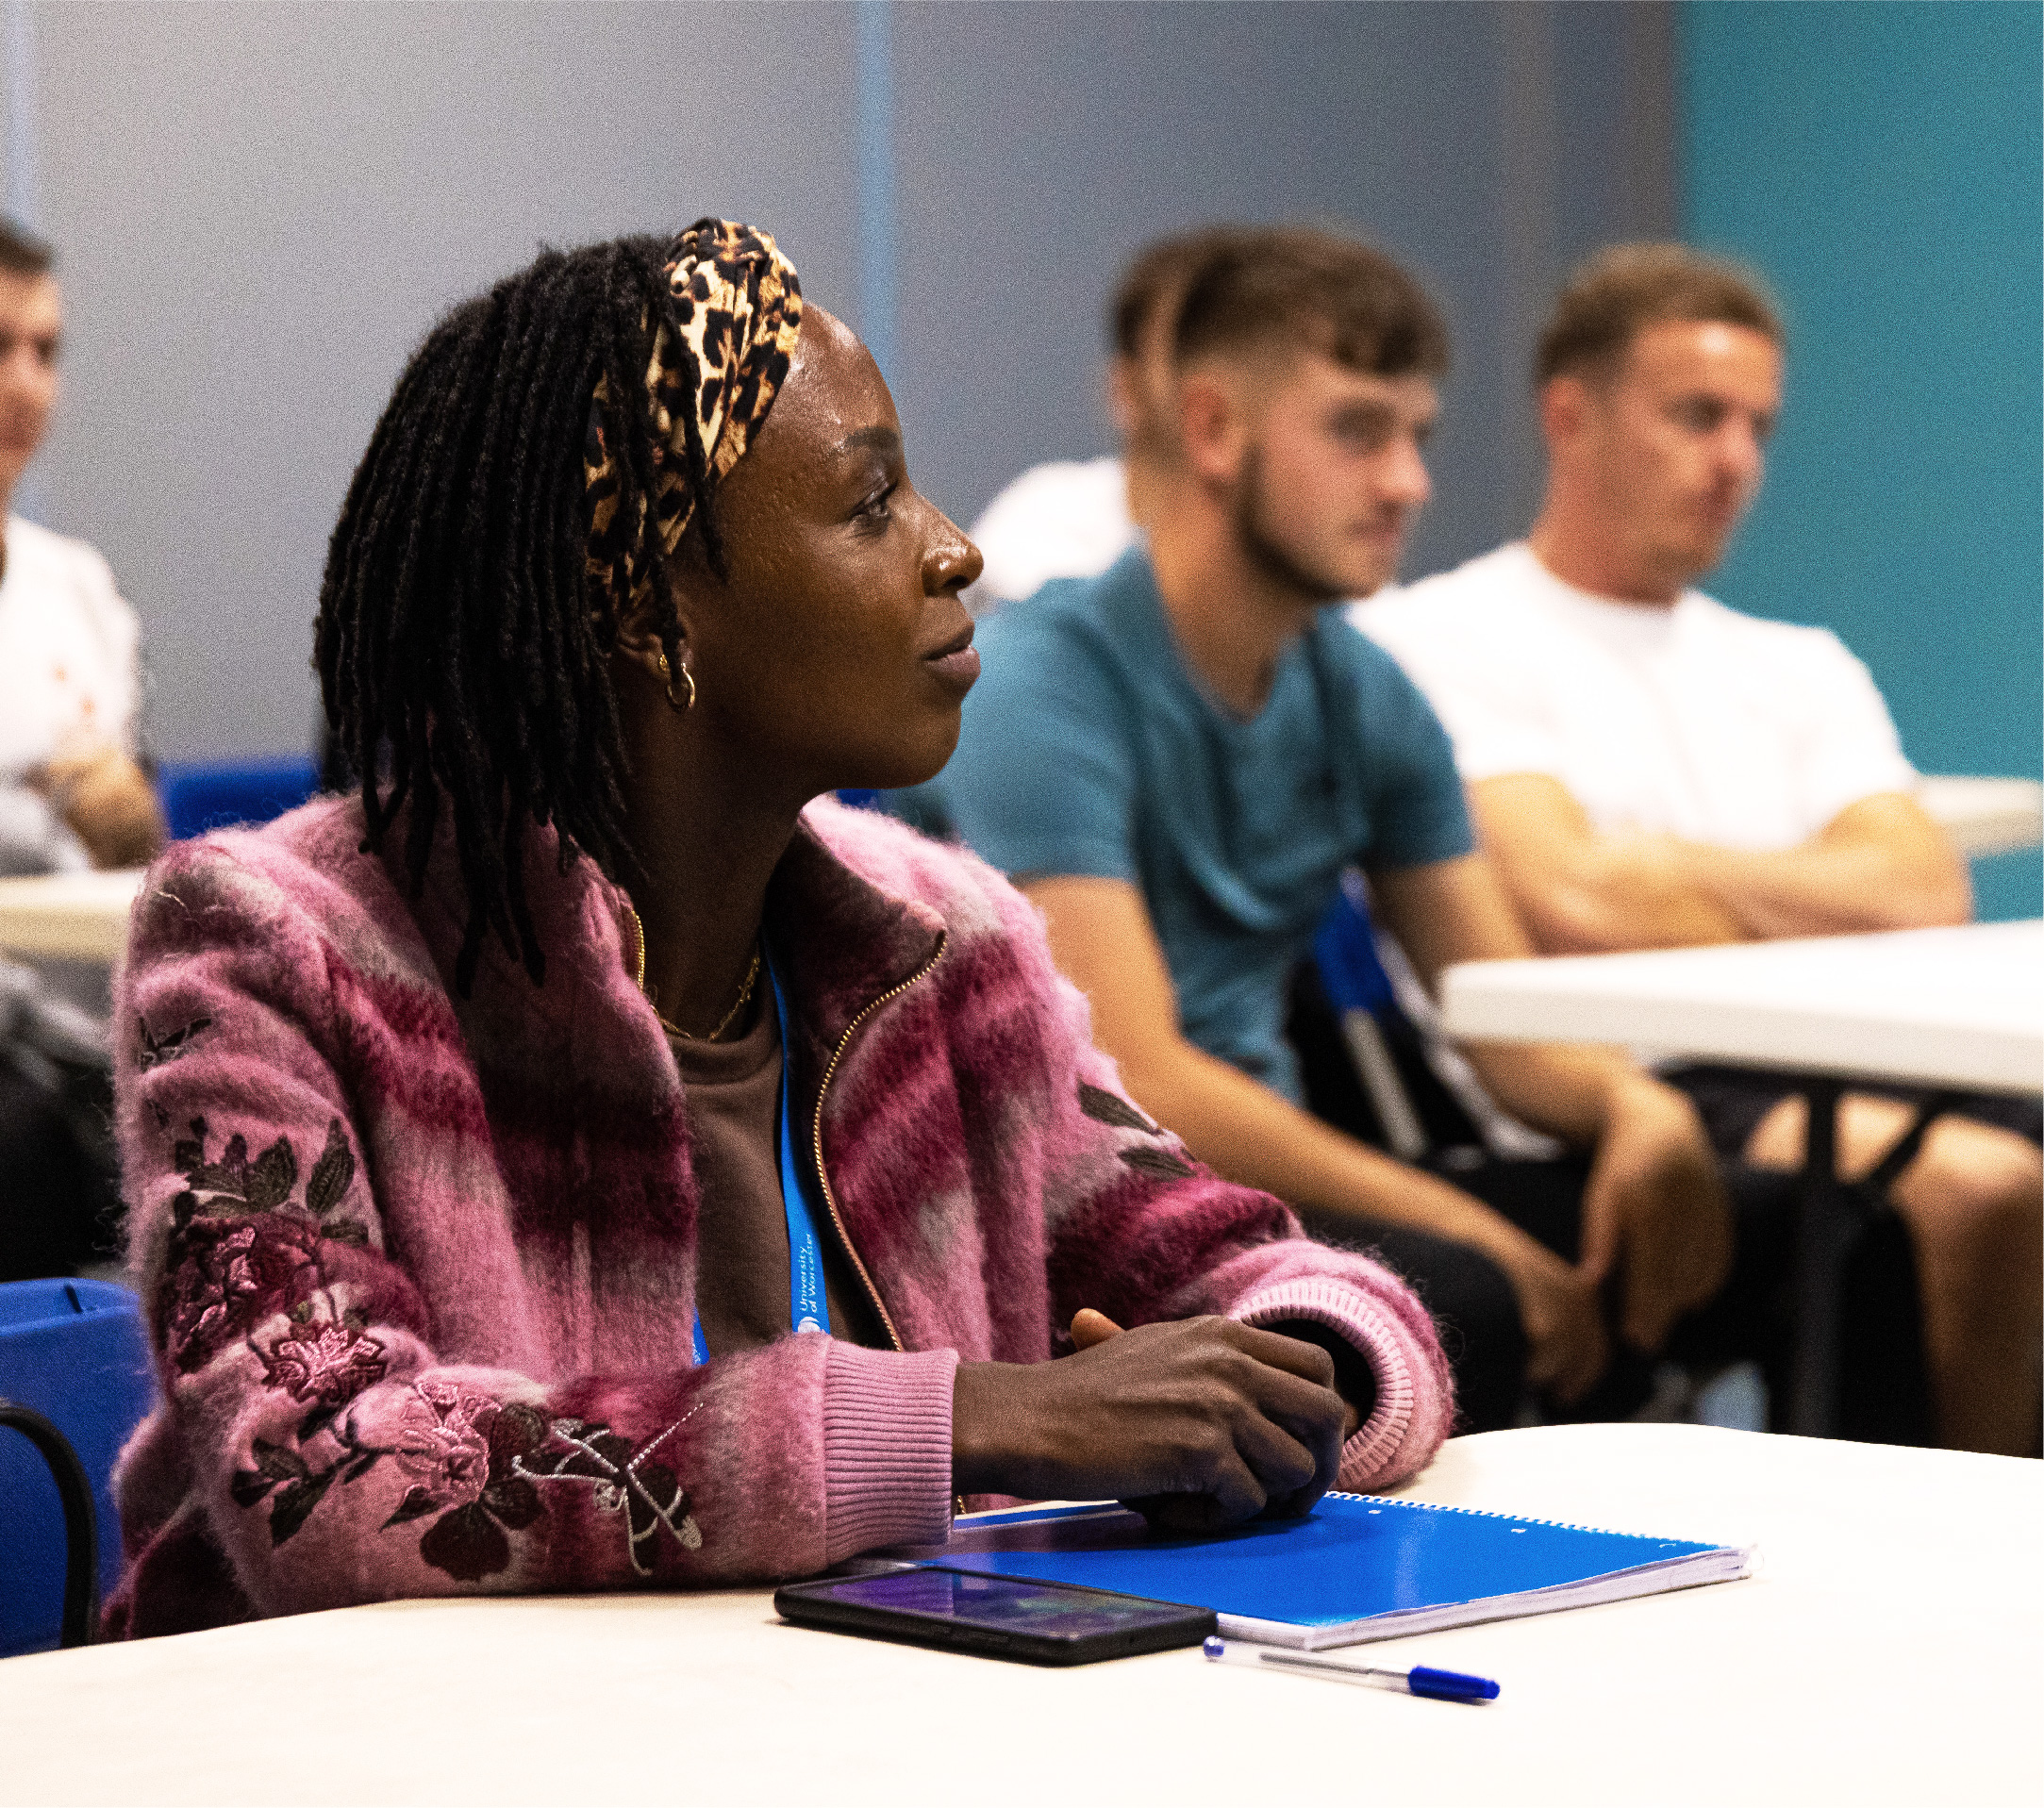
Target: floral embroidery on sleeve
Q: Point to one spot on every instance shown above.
(1110, 1108)
(298, 1487)
(650, 1494)
(154, 1052)
(462, 1450)
(242, 1250)
(229, 1277)
(474, 1463)
(324, 1364)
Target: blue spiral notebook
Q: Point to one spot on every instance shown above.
(1360, 1566)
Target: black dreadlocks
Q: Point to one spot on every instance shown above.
(458, 656)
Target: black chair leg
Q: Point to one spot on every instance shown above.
(81, 1524)
(1824, 1226)
(1856, 1366)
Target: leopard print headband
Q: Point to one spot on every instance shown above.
(721, 351)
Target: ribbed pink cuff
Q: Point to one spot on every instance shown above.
(887, 1448)
(1370, 1455)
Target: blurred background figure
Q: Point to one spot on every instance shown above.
(1074, 518)
(72, 794)
(1177, 759)
(1650, 769)
(70, 689)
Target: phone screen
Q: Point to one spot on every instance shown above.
(1000, 1600)
(998, 1615)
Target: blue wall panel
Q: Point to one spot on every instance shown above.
(1881, 165)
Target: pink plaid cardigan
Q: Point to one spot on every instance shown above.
(420, 1269)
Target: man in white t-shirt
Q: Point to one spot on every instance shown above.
(1650, 769)
(70, 782)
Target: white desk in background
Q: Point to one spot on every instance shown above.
(1938, 1007)
(68, 916)
(1985, 816)
(1887, 1652)
(83, 915)
(1950, 1009)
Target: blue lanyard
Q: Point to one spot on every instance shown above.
(809, 1309)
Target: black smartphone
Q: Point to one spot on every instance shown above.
(1033, 1622)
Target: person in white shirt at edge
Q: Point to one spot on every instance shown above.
(1650, 769)
(70, 795)
(71, 787)
(1328, 459)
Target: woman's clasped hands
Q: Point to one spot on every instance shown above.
(1196, 1424)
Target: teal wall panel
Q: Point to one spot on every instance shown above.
(1880, 164)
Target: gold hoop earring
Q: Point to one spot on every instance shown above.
(680, 704)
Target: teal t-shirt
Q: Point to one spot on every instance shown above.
(1090, 749)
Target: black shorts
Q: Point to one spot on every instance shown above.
(1883, 1399)
(1733, 1101)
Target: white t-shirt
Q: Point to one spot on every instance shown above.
(1693, 721)
(1063, 520)
(69, 648)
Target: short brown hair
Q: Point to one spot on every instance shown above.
(1158, 278)
(21, 253)
(1626, 288)
(1299, 287)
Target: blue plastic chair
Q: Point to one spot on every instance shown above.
(76, 1353)
(1360, 992)
(199, 795)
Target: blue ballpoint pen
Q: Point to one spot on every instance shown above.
(1442, 1685)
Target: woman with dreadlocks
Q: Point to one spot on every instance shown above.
(589, 1155)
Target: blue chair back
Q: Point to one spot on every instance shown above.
(74, 1351)
(199, 795)
(1345, 952)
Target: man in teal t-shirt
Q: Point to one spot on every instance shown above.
(1090, 749)
(1177, 759)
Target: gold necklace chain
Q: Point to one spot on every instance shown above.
(744, 997)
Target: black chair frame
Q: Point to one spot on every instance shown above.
(81, 1524)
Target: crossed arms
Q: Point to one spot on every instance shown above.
(1881, 863)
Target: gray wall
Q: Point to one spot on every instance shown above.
(260, 207)
(1489, 146)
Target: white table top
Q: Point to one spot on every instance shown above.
(83, 915)
(1959, 1007)
(1888, 1652)
(68, 916)
(1985, 815)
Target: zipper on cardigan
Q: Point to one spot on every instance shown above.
(638, 947)
(822, 1173)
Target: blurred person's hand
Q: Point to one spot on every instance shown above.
(108, 803)
(1654, 1212)
(1567, 1351)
